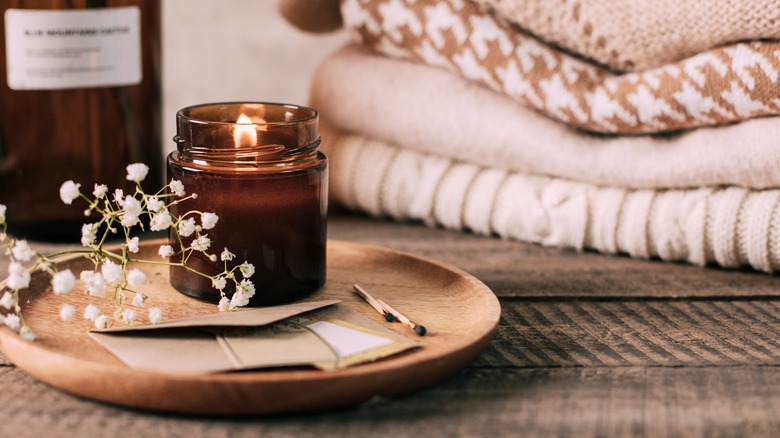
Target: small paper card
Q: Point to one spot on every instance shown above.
(323, 334)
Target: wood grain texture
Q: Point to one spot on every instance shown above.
(581, 402)
(588, 346)
(635, 333)
(459, 312)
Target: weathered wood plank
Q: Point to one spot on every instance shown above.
(574, 333)
(516, 269)
(582, 402)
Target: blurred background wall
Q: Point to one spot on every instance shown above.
(225, 50)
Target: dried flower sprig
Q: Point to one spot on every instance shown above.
(111, 274)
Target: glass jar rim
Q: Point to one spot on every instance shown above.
(308, 114)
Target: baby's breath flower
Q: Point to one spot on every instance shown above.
(219, 283)
(137, 172)
(129, 220)
(224, 304)
(155, 204)
(112, 273)
(63, 282)
(138, 300)
(133, 245)
(69, 191)
(209, 220)
(226, 255)
(187, 227)
(132, 206)
(177, 187)
(247, 269)
(247, 288)
(88, 234)
(100, 191)
(22, 251)
(202, 243)
(19, 277)
(67, 312)
(7, 300)
(94, 283)
(161, 221)
(239, 299)
(132, 210)
(155, 315)
(135, 278)
(91, 312)
(26, 333)
(101, 322)
(12, 321)
(165, 251)
(128, 316)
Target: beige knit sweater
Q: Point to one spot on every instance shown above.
(433, 111)
(635, 35)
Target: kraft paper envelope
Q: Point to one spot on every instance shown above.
(323, 334)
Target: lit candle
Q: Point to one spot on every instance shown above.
(257, 167)
(245, 134)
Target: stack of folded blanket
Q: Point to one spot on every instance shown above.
(606, 124)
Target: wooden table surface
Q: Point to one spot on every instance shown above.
(588, 345)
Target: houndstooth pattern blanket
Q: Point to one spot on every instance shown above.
(723, 85)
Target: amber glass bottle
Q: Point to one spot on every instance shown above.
(79, 100)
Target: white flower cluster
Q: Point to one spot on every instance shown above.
(112, 274)
(244, 289)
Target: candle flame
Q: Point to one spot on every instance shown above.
(245, 133)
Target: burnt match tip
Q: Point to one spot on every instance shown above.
(420, 330)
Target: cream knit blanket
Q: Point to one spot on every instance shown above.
(725, 84)
(430, 110)
(729, 226)
(636, 35)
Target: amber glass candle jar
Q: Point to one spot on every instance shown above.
(256, 165)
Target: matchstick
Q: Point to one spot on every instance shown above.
(420, 330)
(374, 303)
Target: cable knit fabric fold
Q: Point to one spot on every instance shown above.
(633, 35)
(727, 226)
(402, 102)
(723, 85)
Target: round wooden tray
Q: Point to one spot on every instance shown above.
(458, 310)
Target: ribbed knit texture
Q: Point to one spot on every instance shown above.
(729, 227)
(637, 35)
(723, 85)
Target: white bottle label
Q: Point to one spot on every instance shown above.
(50, 50)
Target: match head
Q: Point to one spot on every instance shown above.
(389, 317)
(420, 330)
